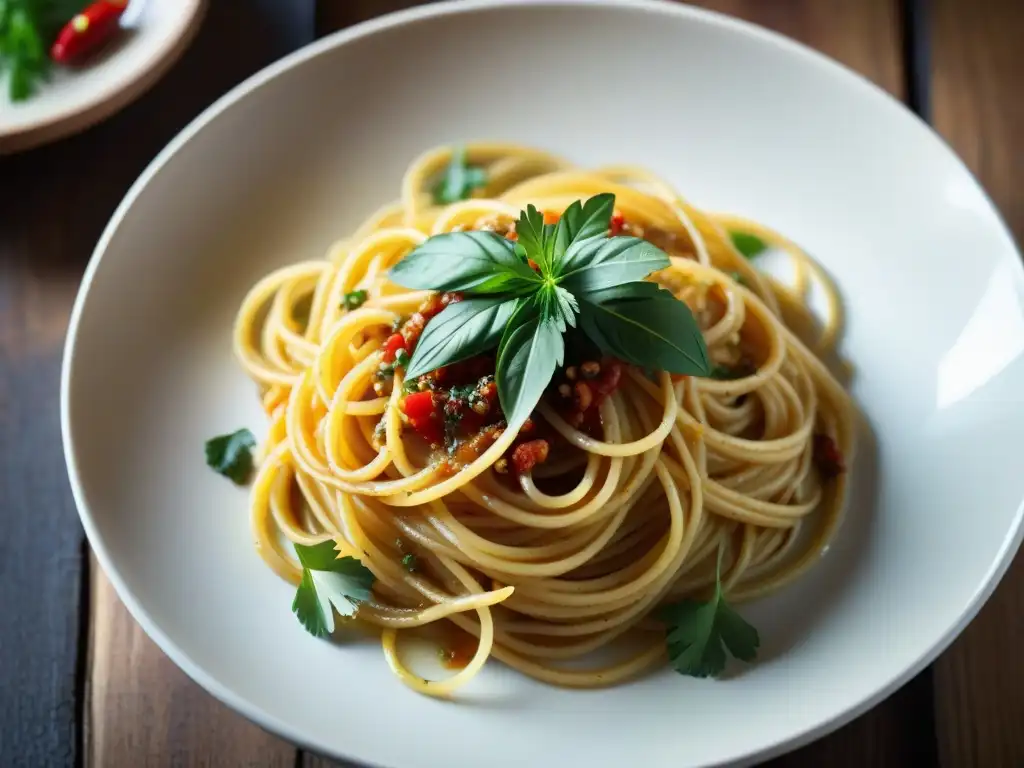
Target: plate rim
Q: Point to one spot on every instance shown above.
(114, 97)
(770, 748)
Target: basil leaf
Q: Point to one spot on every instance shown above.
(527, 357)
(531, 235)
(656, 332)
(597, 263)
(747, 244)
(460, 331)
(581, 222)
(459, 180)
(475, 262)
(560, 305)
(638, 289)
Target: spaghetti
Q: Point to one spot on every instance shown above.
(561, 555)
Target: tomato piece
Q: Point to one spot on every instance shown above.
(418, 405)
(528, 455)
(394, 343)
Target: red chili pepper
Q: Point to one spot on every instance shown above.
(394, 343)
(88, 30)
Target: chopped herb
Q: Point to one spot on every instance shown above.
(27, 28)
(747, 244)
(354, 299)
(697, 631)
(411, 385)
(231, 455)
(411, 562)
(328, 580)
(397, 323)
(387, 370)
(581, 275)
(459, 179)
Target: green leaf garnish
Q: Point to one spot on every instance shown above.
(27, 27)
(328, 580)
(747, 244)
(410, 562)
(583, 221)
(697, 632)
(459, 179)
(354, 299)
(530, 351)
(590, 265)
(231, 455)
(474, 262)
(582, 283)
(462, 330)
(651, 331)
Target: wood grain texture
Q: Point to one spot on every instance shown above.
(41, 553)
(976, 98)
(143, 711)
(54, 203)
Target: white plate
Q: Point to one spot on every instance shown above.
(738, 119)
(155, 33)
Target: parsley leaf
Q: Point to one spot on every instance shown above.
(476, 262)
(462, 330)
(459, 179)
(747, 244)
(231, 455)
(354, 299)
(697, 632)
(410, 562)
(328, 580)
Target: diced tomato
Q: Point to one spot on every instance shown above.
(422, 411)
(394, 343)
(550, 217)
(528, 455)
(617, 224)
(418, 405)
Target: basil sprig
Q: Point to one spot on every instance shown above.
(522, 297)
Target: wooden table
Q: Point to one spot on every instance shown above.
(79, 681)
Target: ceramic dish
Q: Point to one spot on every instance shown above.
(155, 34)
(737, 118)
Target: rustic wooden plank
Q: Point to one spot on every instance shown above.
(143, 711)
(977, 71)
(41, 553)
